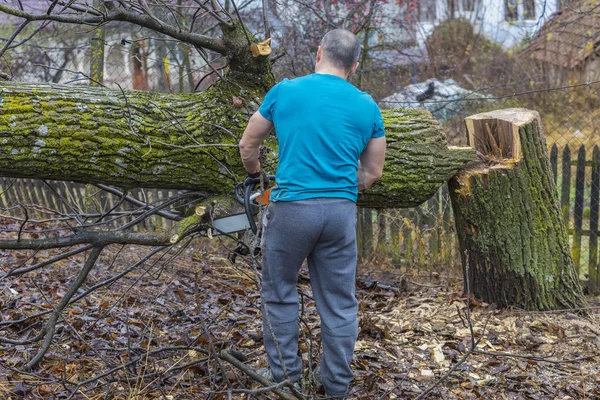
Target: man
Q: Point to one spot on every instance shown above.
(331, 145)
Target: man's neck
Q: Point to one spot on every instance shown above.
(332, 71)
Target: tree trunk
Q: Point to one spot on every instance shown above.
(186, 141)
(407, 233)
(97, 54)
(137, 64)
(513, 241)
(162, 82)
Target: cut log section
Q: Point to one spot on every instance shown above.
(513, 239)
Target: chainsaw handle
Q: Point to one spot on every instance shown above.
(248, 207)
(239, 190)
(243, 196)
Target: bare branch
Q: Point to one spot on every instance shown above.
(23, 223)
(85, 20)
(79, 8)
(87, 237)
(119, 14)
(23, 270)
(136, 360)
(316, 13)
(216, 15)
(13, 37)
(229, 357)
(88, 291)
(51, 324)
(166, 214)
(265, 6)
(203, 41)
(237, 12)
(186, 227)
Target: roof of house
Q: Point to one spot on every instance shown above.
(570, 37)
(443, 99)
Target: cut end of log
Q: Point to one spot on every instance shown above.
(495, 134)
(200, 210)
(496, 137)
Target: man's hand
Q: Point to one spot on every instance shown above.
(254, 178)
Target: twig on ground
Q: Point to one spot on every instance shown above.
(125, 365)
(447, 374)
(213, 352)
(425, 285)
(51, 323)
(22, 270)
(538, 358)
(227, 356)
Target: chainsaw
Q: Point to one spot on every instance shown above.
(252, 197)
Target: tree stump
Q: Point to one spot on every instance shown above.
(513, 241)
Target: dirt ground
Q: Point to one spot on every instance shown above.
(156, 331)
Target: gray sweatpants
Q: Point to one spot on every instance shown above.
(322, 231)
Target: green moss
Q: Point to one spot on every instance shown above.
(184, 226)
(163, 145)
(509, 224)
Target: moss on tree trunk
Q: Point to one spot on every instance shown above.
(186, 141)
(508, 218)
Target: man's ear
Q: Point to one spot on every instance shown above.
(353, 69)
(319, 54)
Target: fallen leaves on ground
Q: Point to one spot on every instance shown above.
(411, 333)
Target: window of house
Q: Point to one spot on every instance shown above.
(468, 5)
(519, 10)
(511, 10)
(528, 9)
(456, 8)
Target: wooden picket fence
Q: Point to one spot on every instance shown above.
(422, 237)
(59, 199)
(579, 199)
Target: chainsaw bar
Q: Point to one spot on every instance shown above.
(231, 224)
(252, 200)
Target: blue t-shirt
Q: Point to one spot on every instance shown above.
(323, 123)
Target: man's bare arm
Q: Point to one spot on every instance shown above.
(257, 130)
(371, 163)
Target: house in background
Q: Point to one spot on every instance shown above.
(568, 46)
(506, 22)
(141, 64)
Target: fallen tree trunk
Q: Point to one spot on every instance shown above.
(508, 220)
(186, 141)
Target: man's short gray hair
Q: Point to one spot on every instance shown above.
(341, 48)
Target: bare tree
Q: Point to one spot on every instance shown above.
(387, 30)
